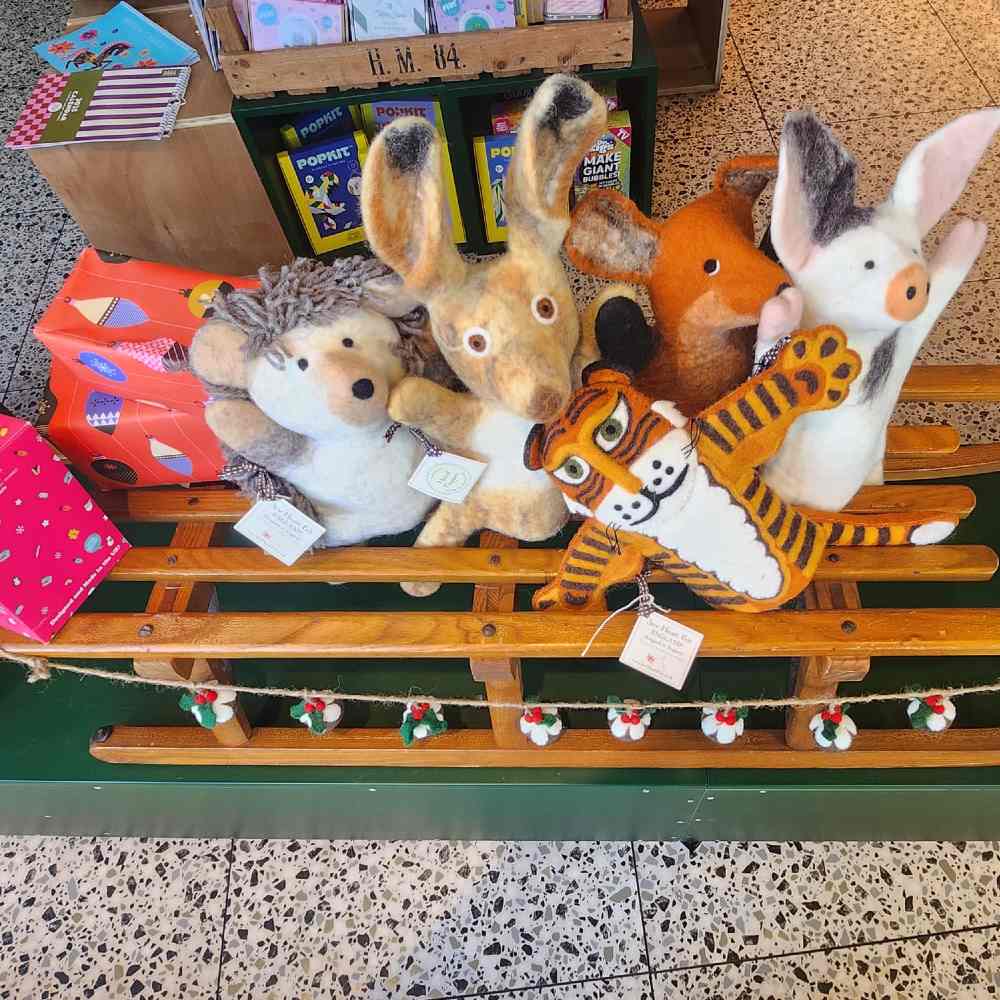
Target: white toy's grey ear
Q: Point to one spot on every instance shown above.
(935, 173)
(389, 296)
(814, 192)
(218, 354)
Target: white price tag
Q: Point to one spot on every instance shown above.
(446, 476)
(279, 529)
(662, 649)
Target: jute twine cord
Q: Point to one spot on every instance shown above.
(40, 669)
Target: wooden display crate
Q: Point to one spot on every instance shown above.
(831, 639)
(387, 62)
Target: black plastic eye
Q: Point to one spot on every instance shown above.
(711, 266)
(911, 292)
(869, 265)
(347, 342)
(657, 463)
(670, 470)
(303, 363)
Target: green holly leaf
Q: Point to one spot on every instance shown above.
(615, 701)
(919, 718)
(743, 713)
(186, 702)
(549, 720)
(205, 715)
(719, 697)
(317, 724)
(298, 710)
(406, 731)
(829, 730)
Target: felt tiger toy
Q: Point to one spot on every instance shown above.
(687, 495)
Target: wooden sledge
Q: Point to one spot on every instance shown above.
(183, 635)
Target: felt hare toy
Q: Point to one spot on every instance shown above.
(300, 371)
(707, 279)
(687, 495)
(508, 327)
(863, 270)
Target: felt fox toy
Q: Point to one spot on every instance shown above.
(687, 496)
(707, 279)
(863, 269)
(508, 327)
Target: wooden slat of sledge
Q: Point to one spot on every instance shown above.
(220, 504)
(576, 748)
(496, 566)
(916, 440)
(953, 383)
(361, 635)
(969, 460)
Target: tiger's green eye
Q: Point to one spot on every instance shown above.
(611, 430)
(573, 468)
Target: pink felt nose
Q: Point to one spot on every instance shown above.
(906, 296)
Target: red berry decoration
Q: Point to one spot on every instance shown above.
(211, 696)
(418, 711)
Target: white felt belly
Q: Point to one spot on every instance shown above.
(714, 533)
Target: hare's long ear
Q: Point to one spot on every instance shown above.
(937, 169)
(611, 238)
(218, 354)
(814, 193)
(404, 208)
(563, 120)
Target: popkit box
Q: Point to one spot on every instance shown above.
(56, 544)
(608, 162)
(119, 331)
(290, 24)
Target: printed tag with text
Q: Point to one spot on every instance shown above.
(279, 529)
(446, 476)
(662, 649)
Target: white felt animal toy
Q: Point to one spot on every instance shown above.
(863, 269)
(300, 371)
(508, 327)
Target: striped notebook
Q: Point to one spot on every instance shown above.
(109, 105)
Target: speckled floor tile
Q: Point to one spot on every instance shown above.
(881, 144)
(950, 967)
(30, 370)
(28, 240)
(732, 108)
(851, 59)
(625, 988)
(759, 899)
(24, 403)
(973, 25)
(685, 167)
(350, 919)
(104, 918)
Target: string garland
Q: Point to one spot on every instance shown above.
(40, 669)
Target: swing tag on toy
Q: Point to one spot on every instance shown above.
(446, 476)
(279, 529)
(661, 648)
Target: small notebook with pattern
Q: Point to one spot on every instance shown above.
(110, 105)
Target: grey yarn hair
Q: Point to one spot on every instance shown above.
(307, 291)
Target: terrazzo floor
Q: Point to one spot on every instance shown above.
(288, 920)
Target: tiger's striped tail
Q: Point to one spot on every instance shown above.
(879, 529)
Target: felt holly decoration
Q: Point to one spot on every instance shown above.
(209, 706)
(934, 713)
(628, 720)
(541, 724)
(832, 728)
(317, 714)
(420, 720)
(722, 722)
